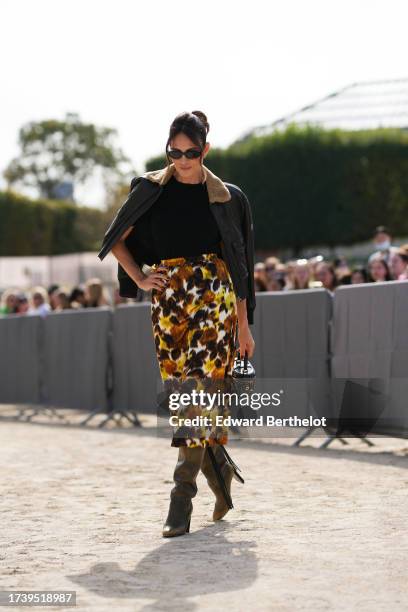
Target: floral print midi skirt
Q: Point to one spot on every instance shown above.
(194, 322)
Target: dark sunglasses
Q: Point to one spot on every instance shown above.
(190, 153)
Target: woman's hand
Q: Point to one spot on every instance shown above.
(245, 340)
(156, 279)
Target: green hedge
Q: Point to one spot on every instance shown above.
(47, 227)
(310, 186)
(307, 187)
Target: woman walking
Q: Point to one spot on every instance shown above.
(195, 233)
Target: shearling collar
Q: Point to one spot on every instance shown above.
(217, 191)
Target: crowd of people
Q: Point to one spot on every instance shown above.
(387, 262)
(41, 301)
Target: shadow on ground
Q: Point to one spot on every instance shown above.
(199, 563)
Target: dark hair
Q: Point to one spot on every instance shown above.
(345, 279)
(52, 288)
(361, 270)
(76, 293)
(331, 269)
(194, 125)
(385, 266)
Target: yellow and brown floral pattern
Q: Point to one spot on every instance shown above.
(194, 322)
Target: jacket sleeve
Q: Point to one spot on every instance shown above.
(119, 224)
(248, 234)
(135, 180)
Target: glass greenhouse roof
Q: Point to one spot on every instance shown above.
(358, 106)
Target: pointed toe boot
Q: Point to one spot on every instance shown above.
(221, 508)
(179, 517)
(228, 470)
(185, 475)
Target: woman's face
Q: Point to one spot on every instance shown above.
(357, 278)
(187, 168)
(62, 300)
(37, 300)
(259, 272)
(22, 306)
(324, 275)
(398, 265)
(53, 298)
(11, 301)
(377, 271)
(302, 273)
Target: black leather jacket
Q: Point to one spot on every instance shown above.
(232, 213)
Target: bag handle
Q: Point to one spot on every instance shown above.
(245, 359)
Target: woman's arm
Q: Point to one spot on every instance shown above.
(245, 339)
(124, 257)
(156, 279)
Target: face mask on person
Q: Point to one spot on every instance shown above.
(382, 246)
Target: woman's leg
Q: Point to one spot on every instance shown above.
(170, 324)
(221, 506)
(194, 324)
(181, 506)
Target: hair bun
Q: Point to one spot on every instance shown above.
(202, 118)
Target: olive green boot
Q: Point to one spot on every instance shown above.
(228, 470)
(181, 507)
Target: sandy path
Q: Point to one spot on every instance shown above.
(82, 509)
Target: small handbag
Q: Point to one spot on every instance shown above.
(243, 372)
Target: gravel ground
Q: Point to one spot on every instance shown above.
(311, 529)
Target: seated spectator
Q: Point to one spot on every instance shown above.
(342, 270)
(22, 303)
(40, 305)
(314, 262)
(280, 276)
(8, 303)
(379, 270)
(77, 297)
(271, 264)
(382, 245)
(290, 269)
(359, 275)
(260, 276)
(301, 275)
(399, 265)
(95, 293)
(52, 296)
(326, 275)
(62, 299)
(275, 273)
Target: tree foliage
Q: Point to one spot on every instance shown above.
(54, 152)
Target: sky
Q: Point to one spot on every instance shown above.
(134, 65)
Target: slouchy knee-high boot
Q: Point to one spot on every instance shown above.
(185, 474)
(228, 471)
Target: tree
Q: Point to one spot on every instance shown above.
(56, 154)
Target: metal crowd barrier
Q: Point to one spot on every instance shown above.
(370, 356)
(336, 351)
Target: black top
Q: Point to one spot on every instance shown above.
(178, 224)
